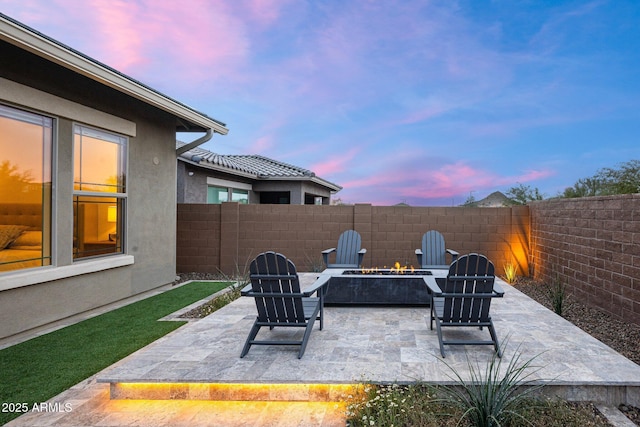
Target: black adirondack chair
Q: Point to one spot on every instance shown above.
(463, 299)
(280, 301)
(433, 252)
(349, 252)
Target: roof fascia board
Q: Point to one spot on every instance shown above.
(328, 184)
(46, 48)
(313, 179)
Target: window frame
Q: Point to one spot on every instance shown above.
(120, 193)
(231, 193)
(48, 173)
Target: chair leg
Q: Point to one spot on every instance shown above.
(439, 328)
(308, 329)
(251, 337)
(307, 334)
(494, 338)
(432, 314)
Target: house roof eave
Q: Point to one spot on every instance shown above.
(187, 119)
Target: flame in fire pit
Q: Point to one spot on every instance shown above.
(396, 269)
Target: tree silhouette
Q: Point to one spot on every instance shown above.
(13, 182)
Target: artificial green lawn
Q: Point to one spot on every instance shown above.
(39, 369)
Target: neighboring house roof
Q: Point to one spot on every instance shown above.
(252, 166)
(187, 119)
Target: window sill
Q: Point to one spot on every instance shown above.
(48, 274)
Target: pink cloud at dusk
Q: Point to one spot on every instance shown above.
(262, 145)
(416, 100)
(160, 39)
(265, 12)
(453, 180)
(191, 44)
(336, 164)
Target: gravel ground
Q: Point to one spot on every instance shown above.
(622, 336)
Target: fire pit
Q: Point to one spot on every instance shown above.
(377, 287)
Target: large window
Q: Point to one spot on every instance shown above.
(217, 195)
(99, 192)
(275, 197)
(26, 141)
(240, 196)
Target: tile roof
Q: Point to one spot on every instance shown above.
(258, 167)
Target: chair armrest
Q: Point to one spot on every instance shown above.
(454, 254)
(321, 281)
(275, 294)
(245, 291)
(325, 255)
(498, 290)
(361, 253)
(431, 283)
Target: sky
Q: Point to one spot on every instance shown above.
(428, 103)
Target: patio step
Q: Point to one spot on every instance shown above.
(235, 392)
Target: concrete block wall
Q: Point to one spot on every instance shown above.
(198, 238)
(225, 238)
(592, 245)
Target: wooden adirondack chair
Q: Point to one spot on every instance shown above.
(280, 301)
(463, 299)
(433, 252)
(349, 252)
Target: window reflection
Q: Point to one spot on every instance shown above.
(98, 161)
(99, 198)
(97, 226)
(25, 189)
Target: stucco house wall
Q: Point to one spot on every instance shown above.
(35, 297)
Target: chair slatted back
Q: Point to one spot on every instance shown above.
(349, 244)
(433, 248)
(468, 290)
(275, 281)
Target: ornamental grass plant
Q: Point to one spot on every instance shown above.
(510, 273)
(493, 395)
(557, 294)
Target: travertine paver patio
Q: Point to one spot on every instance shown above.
(379, 344)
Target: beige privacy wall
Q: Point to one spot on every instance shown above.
(593, 246)
(225, 238)
(590, 244)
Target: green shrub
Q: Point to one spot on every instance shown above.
(557, 293)
(490, 397)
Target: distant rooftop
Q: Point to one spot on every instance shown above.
(252, 166)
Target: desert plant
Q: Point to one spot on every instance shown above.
(510, 271)
(240, 275)
(557, 294)
(399, 405)
(224, 298)
(490, 398)
(315, 263)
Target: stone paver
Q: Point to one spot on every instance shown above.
(378, 344)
